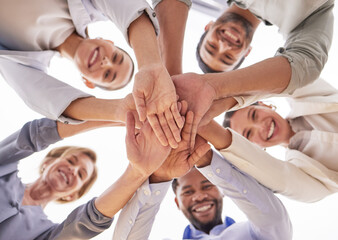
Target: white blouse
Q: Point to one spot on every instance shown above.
(322, 129)
(39, 25)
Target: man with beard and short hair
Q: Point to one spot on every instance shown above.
(199, 196)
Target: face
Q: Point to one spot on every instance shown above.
(199, 200)
(227, 42)
(66, 175)
(261, 125)
(103, 64)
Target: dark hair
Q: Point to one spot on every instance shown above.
(174, 185)
(131, 75)
(203, 66)
(228, 116)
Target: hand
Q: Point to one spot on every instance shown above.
(128, 105)
(180, 161)
(199, 95)
(144, 151)
(155, 99)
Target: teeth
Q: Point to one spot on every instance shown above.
(229, 34)
(64, 177)
(272, 128)
(92, 60)
(202, 209)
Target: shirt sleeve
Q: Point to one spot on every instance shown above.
(85, 222)
(282, 177)
(123, 13)
(41, 92)
(267, 215)
(34, 136)
(137, 217)
(187, 2)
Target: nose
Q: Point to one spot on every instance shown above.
(198, 197)
(73, 169)
(224, 46)
(106, 62)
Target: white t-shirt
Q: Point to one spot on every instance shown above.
(35, 24)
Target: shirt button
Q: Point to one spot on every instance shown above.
(146, 192)
(218, 170)
(154, 14)
(66, 122)
(130, 222)
(245, 191)
(210, 174)
(157, 193)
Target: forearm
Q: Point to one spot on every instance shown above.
(172, 16)
(68, 130)
(269, 76)
(91, 108)
(214, 133)
(118, 194)
(143, 40)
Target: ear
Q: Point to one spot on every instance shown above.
(177, 204)
(88, 83)
(207, 27)
(248, 51)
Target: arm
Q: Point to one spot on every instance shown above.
(268, 218)
(281, 176)
(172, 16)
(137, 217)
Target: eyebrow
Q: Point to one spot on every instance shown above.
(186, 186)
(114, 77)
(114, 57)
(205, 181)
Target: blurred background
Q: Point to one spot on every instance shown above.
(310, 221)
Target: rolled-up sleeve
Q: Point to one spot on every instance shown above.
(123, 13)
(186, 2)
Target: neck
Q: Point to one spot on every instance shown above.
(38, 194)
(246, 14)
(69, 46)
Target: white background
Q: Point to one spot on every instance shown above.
(310, 221)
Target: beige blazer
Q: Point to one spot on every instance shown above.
(299, 177)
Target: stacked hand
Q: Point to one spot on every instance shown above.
(144, 151)
(155, 99)
(199, 95)
(181, 160)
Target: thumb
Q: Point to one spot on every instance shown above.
(199, 152)
(130, 135)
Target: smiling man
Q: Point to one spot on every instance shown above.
(226, 42)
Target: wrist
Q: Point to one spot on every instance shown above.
(213, 85)
(205, 160)
(136, 175)
(157, 179)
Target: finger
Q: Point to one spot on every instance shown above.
(198, 153)
(130, 135)
(155, 124)
(186, 131)
(176, 132)
(184, 107)
(177, 115)
(140, 104)
(196, 121)
(167, 131)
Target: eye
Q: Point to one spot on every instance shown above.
(228, 57)
(187, 193)
(70, 161)
(248, 134)
(114, 57)
(207, 187)
(254, 115)
(106, 74)
(80, 174)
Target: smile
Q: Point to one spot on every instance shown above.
(93, 57)
(64, 176)
(203, 208)
(230, 37)
(271, 130)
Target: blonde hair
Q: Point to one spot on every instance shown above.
(63, 151)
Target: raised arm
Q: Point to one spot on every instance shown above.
(282, 177)
(268, 218)
(172, 16)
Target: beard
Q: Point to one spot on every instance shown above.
(238, 19)
(206, 227)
